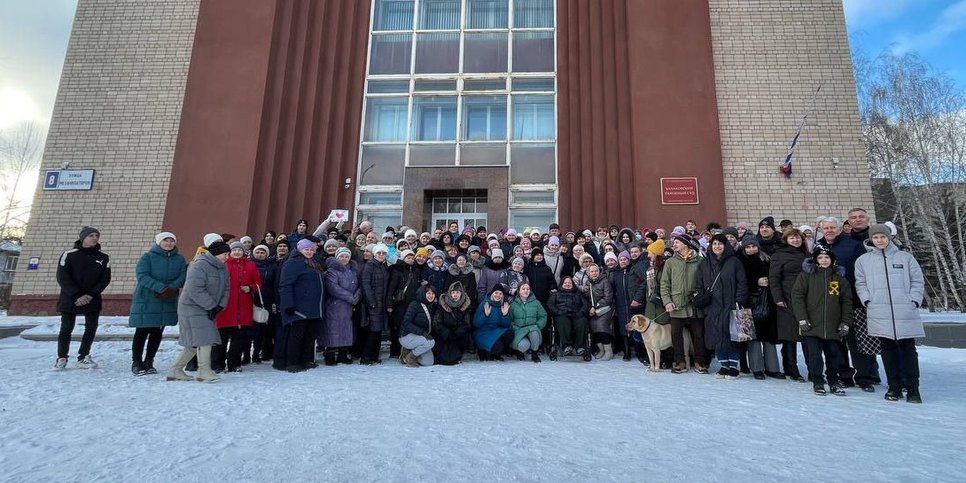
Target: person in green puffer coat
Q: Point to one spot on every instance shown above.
(529, 318)
(678, 286)
(822, 302)
(154, 305)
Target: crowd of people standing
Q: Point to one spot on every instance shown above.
(844, 293)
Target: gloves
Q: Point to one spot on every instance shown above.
(166, 293)
(804, 326)
(290, 311)
(843, 330)
(214, 312)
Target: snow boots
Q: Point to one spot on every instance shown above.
(608, 352)
(177, 370)
(205, 374)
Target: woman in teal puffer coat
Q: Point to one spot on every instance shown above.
(529, 318)
(160, 275)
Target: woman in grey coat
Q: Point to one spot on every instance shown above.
(601, 295)
(205, 294)
(890, 284)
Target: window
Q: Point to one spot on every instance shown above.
(483, 154)
(533, 13)
(437, 53)
(389, 86)
(538, 84)
(382, 164)
(390, 54)
(484, 85)
(532, 197)
(524, 218)
(386, 119)
(485, 52)
(380, 218)
(434, 118)
(391, 198)
(487, 14)
(435, 85)
(393, 15)
(484, 118)
(439, 14)
(533, 117)
(432, 154)
(11, 265)
(533, 52)
(532, 163)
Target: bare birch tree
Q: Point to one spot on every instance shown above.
(20, 152)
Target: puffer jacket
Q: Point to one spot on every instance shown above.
(679, 280)
(416, 320)
(436, 277)
(568, 303)
(302, 288)
(465, 277)
(205, 287)
(890, 284)
(528, 315)
(374, 283)
(785, 266)
(157, 270)
(82, 271)
(541, 279)
(823, 297)
(238, 313)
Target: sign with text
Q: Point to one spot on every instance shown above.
(69, 179)
(679, 191)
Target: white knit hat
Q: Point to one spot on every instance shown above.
(165, 234)
(211, 238)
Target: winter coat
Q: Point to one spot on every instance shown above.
(652, 310)
(238, 313)
(489, 277)
(436, 277)
(679, 280)
(301, 287)
(846, 251)
(82, 271)
(452, 325)
(528, 315)
(342, 292)
(601, 294)
(890, 284)
(785, 266)
(268, 271)
(375, 285)
(403, 281)
(766, 329)
(626, 290)
(416, 321)
(568, 303)
(556, 261)
(157, 270)
(730, 288)
(488, 329)
(465, 277)
(205, 287)
(512, 280)
(542, 280)
(771, 245)
(823, 297)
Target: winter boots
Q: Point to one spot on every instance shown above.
(177, 370)
(205, 374)
(913, 396)
(608, 352)
(893, 394)
(407, 358)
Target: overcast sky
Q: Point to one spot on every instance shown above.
(34, 35)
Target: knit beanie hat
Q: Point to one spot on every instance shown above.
(246, 238)
(519, 260)
(610, 256)
(536, 251)
(331, 243)
(438, 253)
(730, 231)
(880, 228)
(624, 254)
(678, 230)
(496, 253)
(235, 244)
(785, 223)
(303, 244)
(343, 251)
(261, 248)
(554, 240)
(586, 256)
(472, 248)
(422, 252)
(511, 231)
(380, 247)
(805, 228)
(403, 254)
(720, 238)
(218, 247)
(768, 220)
(822, 250)
(211, 238)
(87, 230)
(409, 233)
(656, 247)
(160, 237)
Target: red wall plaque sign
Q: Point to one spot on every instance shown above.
(679, 191)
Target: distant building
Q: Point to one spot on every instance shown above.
(248, 115)
(9, 259)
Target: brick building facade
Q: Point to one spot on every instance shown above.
(244, 115)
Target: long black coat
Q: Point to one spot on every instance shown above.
(82, 271)
(785, 267)
(766, 330)
(375, 285)
(730, 289)
(542, 281)
(452, 327)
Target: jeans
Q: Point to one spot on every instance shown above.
(67, 322)
(696, 326)
(530, 342)
(763, 357)
(422, 347)
(901, 361)
(727, 359)
(816, 347)
(151, 335)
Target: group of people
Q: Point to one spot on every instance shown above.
(845, 296)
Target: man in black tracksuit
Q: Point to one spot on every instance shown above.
(82, 273)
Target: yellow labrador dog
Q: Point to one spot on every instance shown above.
(657, 337)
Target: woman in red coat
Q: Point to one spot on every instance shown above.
(235, 321)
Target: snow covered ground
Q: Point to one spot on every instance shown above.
(511, 421)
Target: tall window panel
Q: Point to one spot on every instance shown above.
(434, 118)
(437, 53)
(533, 14)
(440, 14)
(390, 54)
(484, 118)
(533, 52)
(485, 52)
(393, 15)
(533, 118)
(487, 14)
(386, 119)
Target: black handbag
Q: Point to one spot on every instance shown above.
(703, 299)
(761, 306)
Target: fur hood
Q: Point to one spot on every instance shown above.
(808, 266)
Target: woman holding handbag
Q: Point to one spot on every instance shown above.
(601, 295)
(721, 276)
(762, 352)
(235, 322)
